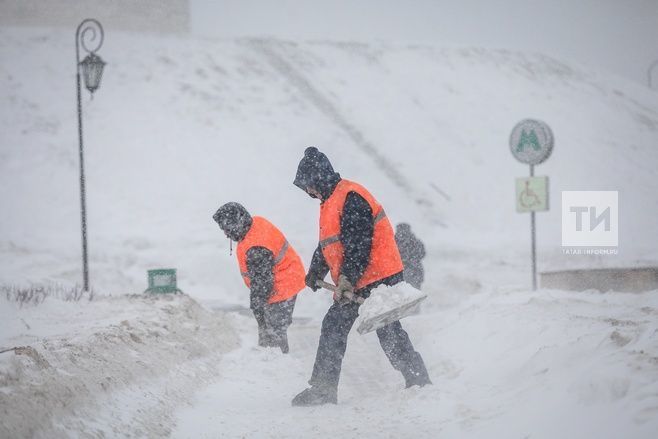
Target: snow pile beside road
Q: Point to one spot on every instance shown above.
(112, 365)
(545, 365)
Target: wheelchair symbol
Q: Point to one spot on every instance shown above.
(528, 198)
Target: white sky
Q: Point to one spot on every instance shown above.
(616, 35)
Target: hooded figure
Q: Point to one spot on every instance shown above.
(315, 175)
(357, 247)
(270, 268)
(412, 252)
(317, 178)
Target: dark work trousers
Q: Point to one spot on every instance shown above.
(333, 341)
(273, 322)
(278, 316)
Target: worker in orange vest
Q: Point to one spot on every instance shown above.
(357, 246)
(270, 267)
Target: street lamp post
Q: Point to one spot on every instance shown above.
(89, 31)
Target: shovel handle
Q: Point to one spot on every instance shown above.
(331, 287)
(326, 286)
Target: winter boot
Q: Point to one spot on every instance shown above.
(416, 374)
(316, 395)
(417, 380)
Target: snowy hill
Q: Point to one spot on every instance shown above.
(180, 126)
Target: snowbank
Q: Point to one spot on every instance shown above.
(115, 365)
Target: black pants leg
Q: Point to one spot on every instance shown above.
(400, 352)
(278, 317)
(394, 340)
(333, 342)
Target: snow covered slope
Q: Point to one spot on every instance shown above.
(180, 126)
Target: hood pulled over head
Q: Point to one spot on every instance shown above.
(234, 220)
(315, 174)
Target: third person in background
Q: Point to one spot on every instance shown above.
(412, 252)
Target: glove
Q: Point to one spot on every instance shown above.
(310, 280)
(345, 287)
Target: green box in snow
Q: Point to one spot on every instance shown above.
(162, 281)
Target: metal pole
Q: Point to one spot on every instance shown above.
(533, 244)
(83, 196)
(94, 31)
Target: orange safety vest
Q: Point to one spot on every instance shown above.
(385, 258)
(288, 268)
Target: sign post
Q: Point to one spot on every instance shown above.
(531, 142)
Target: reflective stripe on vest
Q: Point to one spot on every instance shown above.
(335, 238)
(282, 253)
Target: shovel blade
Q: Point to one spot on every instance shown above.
(390, 316)
(387, 305)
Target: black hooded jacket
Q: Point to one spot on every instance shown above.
(356, 223)
(260, 266)
(412, 252)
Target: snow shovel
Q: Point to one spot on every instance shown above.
(386, 304)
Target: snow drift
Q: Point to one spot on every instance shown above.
(112, 366)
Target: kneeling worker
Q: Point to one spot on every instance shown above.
(270, 267)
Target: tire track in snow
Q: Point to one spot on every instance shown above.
(331, 111)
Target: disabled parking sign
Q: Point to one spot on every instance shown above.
(531, 194)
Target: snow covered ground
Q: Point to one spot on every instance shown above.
(504, 364)
(109, 366)
(180, 126)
